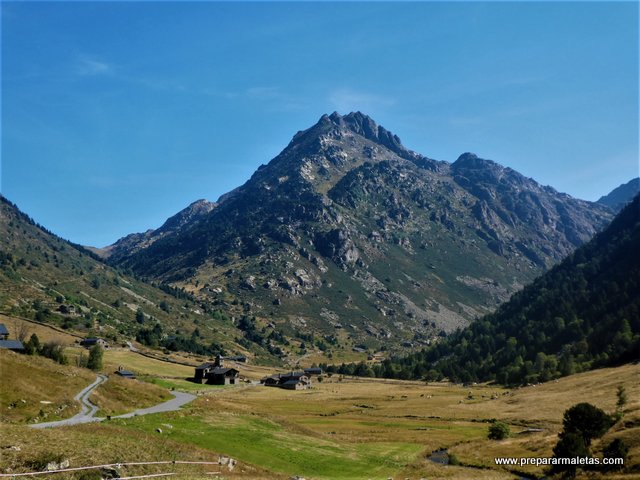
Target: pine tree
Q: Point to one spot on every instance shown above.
(95, 358)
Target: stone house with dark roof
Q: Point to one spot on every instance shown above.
(294, 384)
(289, 381)
(215, 373)
(91, 341)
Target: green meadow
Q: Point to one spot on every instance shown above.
(280, 448)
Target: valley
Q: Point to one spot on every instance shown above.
(344, 427)
(472, 291)
(310, 240)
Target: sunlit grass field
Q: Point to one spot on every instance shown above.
(342, 428)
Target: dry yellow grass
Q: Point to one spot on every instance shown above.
(356, 416)
(28, 381)
(104, 443)
(45, 333)
(441, 415)
(122, 395)
(362, 415)
(114, 358)
(545, 400)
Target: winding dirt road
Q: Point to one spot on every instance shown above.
(88, 412)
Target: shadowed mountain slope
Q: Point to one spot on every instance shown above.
(582, 314)
(621, 195)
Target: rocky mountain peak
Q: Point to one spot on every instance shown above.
(469, 159)
(471, 167)
(197, 209)
(135, 242)
(376, 238)
(336, 126)
(365, 126)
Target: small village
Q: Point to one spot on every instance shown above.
(209, 373)
(215, 373)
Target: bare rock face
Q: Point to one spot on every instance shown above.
(353, 222)
(337, 246)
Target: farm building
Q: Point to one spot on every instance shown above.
(271, 381)
(289, 381)
(15, 345)
(295, 385)
(125, 373)
(215, 373)
(91, 341)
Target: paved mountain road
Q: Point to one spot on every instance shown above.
(89, 410)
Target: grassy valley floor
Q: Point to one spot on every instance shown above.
(342, 428)
(346, 429)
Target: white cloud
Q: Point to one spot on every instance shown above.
(347, 100)
(91, 66)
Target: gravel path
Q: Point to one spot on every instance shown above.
(180, 399)
(89, 410)
(86, 415)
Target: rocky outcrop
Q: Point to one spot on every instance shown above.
(337, 246)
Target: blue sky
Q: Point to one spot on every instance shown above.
(117, 115)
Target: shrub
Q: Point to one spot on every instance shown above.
(55, 352)
(499, 431)
(570, 445)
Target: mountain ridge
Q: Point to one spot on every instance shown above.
(345, 206)
(621, 195)
(54, 281)
(581, 314)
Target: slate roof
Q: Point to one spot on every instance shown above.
(11, 344)
(291, 383)
(294, 376)
(223, 371)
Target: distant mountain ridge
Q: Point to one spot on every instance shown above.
(137, 241)
(584, 313)
(622, 195)
(351, 235)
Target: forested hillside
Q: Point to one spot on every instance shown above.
(582, 314)
(53, 281)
